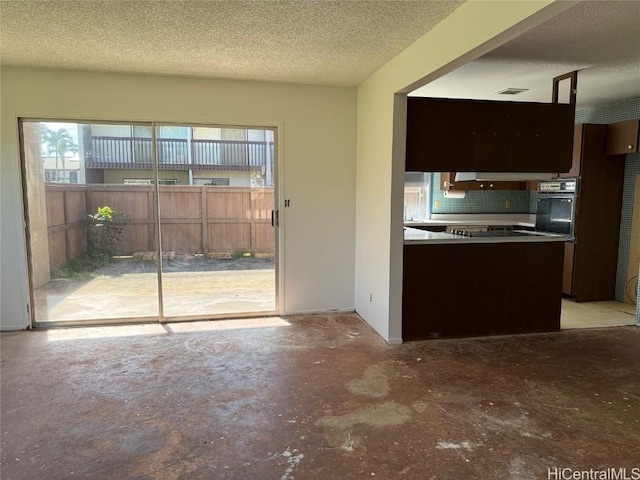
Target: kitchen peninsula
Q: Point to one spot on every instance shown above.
(500, 283)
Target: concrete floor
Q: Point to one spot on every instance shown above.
(314, 397)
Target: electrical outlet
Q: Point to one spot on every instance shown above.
(370, 297)
(436, 205)
(507, 204)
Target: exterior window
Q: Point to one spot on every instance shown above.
(69, 176)
(173, 132)
(416, 196)
(149, 181)
(211, 181)
(137, 181)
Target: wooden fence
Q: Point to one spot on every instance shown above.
(194, 219)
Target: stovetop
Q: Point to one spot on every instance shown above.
(489, 233)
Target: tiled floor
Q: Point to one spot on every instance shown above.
(596, 314)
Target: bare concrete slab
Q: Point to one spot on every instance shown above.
(314, 397)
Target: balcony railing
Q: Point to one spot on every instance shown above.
(177, 154)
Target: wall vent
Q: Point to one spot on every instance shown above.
(512, 91)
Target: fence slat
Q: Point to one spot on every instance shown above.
(194, 219)
(203, 219)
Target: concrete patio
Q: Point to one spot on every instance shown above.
(191, 286)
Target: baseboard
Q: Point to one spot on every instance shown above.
(318, 312)
(13, 328)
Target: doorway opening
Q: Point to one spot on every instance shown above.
(149, 221)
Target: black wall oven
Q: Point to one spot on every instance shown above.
(556, 206)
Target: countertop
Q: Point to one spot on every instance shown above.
(494, 220)
(414, 236)
(493, 223)
(497, 223)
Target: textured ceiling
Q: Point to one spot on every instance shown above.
(592, 33)
(600, 39)
(320, 42)
(301, 41)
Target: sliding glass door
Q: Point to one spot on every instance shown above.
(218, 243)
(148, 222)
(85, 229)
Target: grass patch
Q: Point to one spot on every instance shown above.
(240, 254)
(82, 267)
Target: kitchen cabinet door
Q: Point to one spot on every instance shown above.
(507, 288)
(439, 135)
(597, 219)
(445, 135)
(491, 152)
(541, 137)
(567, 273)
(622, 137)
(576, 159)
(491, 137)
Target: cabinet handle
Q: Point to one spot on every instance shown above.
(491, 185)
(630, 147)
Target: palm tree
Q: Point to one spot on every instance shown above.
(59, 143)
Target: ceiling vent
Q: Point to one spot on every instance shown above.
(512, 91)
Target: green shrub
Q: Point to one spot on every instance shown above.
(241, 254)
(105, 230)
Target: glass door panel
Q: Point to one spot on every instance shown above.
(91, 216)
(216, 195)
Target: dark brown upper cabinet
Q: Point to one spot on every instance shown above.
(445, 135)
(576, 160)
(440, 135)
(622, 137)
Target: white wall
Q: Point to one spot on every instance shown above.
(13, 276)
(317, 134)
(470, 31)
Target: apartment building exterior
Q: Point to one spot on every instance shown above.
(187, 155)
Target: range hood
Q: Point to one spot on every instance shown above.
(501, 176)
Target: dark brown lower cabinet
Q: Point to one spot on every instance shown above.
(458, 290)
(567, 274)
